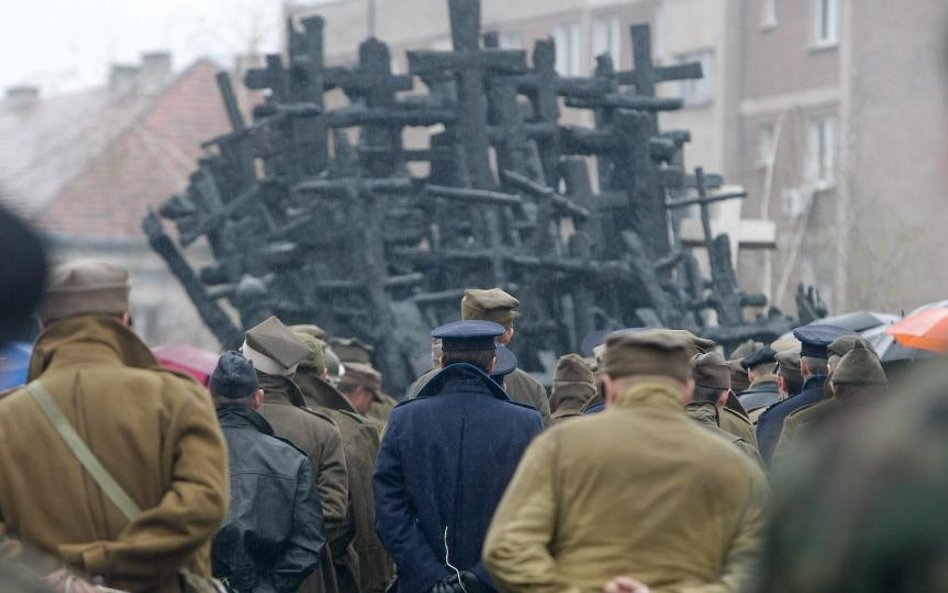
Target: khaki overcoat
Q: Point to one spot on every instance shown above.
(639, 490)
(156, 433)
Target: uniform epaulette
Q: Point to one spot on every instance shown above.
(319, 414)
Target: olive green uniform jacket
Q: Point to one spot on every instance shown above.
(519, 385)
(707, 414)
(154, 431)
(372, 565)
(739, 424)
(639, 490)
(318, 436)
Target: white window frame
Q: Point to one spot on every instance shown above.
(698, 92)
(822, 151)
(768, 14)
(567, 38)
(825, 23)
(607, 38)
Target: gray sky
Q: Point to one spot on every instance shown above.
(64, 45)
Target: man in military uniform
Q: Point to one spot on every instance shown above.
(789, 376)
(499, 307)
(445, 460)
(613, 495)
(860, 380)
(367, 562)
(573, 387)
(155, 431)
(353, 351)
(362, 386)
(760, 367)
(712, 378)
(276, 353)
(814, 339)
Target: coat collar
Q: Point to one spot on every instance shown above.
(462, 372)
(88, 339)
(651, 396)
(322, 394)
(814, 382)
(280, 390)
(705, 413)
(763, 380)
(240, 416)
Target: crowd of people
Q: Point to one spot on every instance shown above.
(658, 464)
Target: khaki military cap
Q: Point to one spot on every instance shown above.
(315, 361)
(699, 345)
(352, 350)
(573, 368)
(711, 371)
(789, 361)
(489, 305)
(85, 287)
(273, 348)
(358, 373)
(842, 345)
(739, 379)
(310, 329)
(648, 352)
(745, 349)
(860, 366)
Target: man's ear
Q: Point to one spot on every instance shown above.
(493, 363)
(258, 399)
(722, 399)
(127, 318)
(688, 391)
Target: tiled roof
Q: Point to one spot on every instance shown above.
(94, 162)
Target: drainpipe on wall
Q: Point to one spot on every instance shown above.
(846, 145)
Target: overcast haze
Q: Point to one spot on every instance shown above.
(64, 45)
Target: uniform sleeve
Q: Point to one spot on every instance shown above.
(517, 546)
(395, 520)
(164, 538)
(302, 551)
(742, 556)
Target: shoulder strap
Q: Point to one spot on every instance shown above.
(86, 457)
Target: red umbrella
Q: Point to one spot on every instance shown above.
(187, 359)
(925, 330)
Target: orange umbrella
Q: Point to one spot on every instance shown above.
(925, 330)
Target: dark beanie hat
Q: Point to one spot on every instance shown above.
(234, 377)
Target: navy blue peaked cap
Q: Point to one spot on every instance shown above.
(816, 337)
(506, 361)
(465, 336)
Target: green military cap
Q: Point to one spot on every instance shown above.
(739, 379)
(842, 345)
(711, 371)
(273, 348)
(489, 305)
(699, 345)
(782, 344)
(745, 349)
(352, 350)
(315, 361)
(788, 362)
(573, 368)
(648, 352)
(860, 366)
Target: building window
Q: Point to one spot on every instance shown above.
(700, 91)
(821, 150)
(607, 38)
(765, 146)
(768, 14)
(826, 22)
(566, 38)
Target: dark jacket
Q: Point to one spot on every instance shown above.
(770, 423)
(273, 536)
(445, 460)
(761, 394)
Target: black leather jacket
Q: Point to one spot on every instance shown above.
(273, 536)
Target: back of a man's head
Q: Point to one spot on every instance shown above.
(482, 359)
(85, 287)
(234, 380)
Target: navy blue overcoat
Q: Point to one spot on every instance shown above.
(770, 423)
(443, 465)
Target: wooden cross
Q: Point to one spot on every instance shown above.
(470, 64)
(645, 74)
